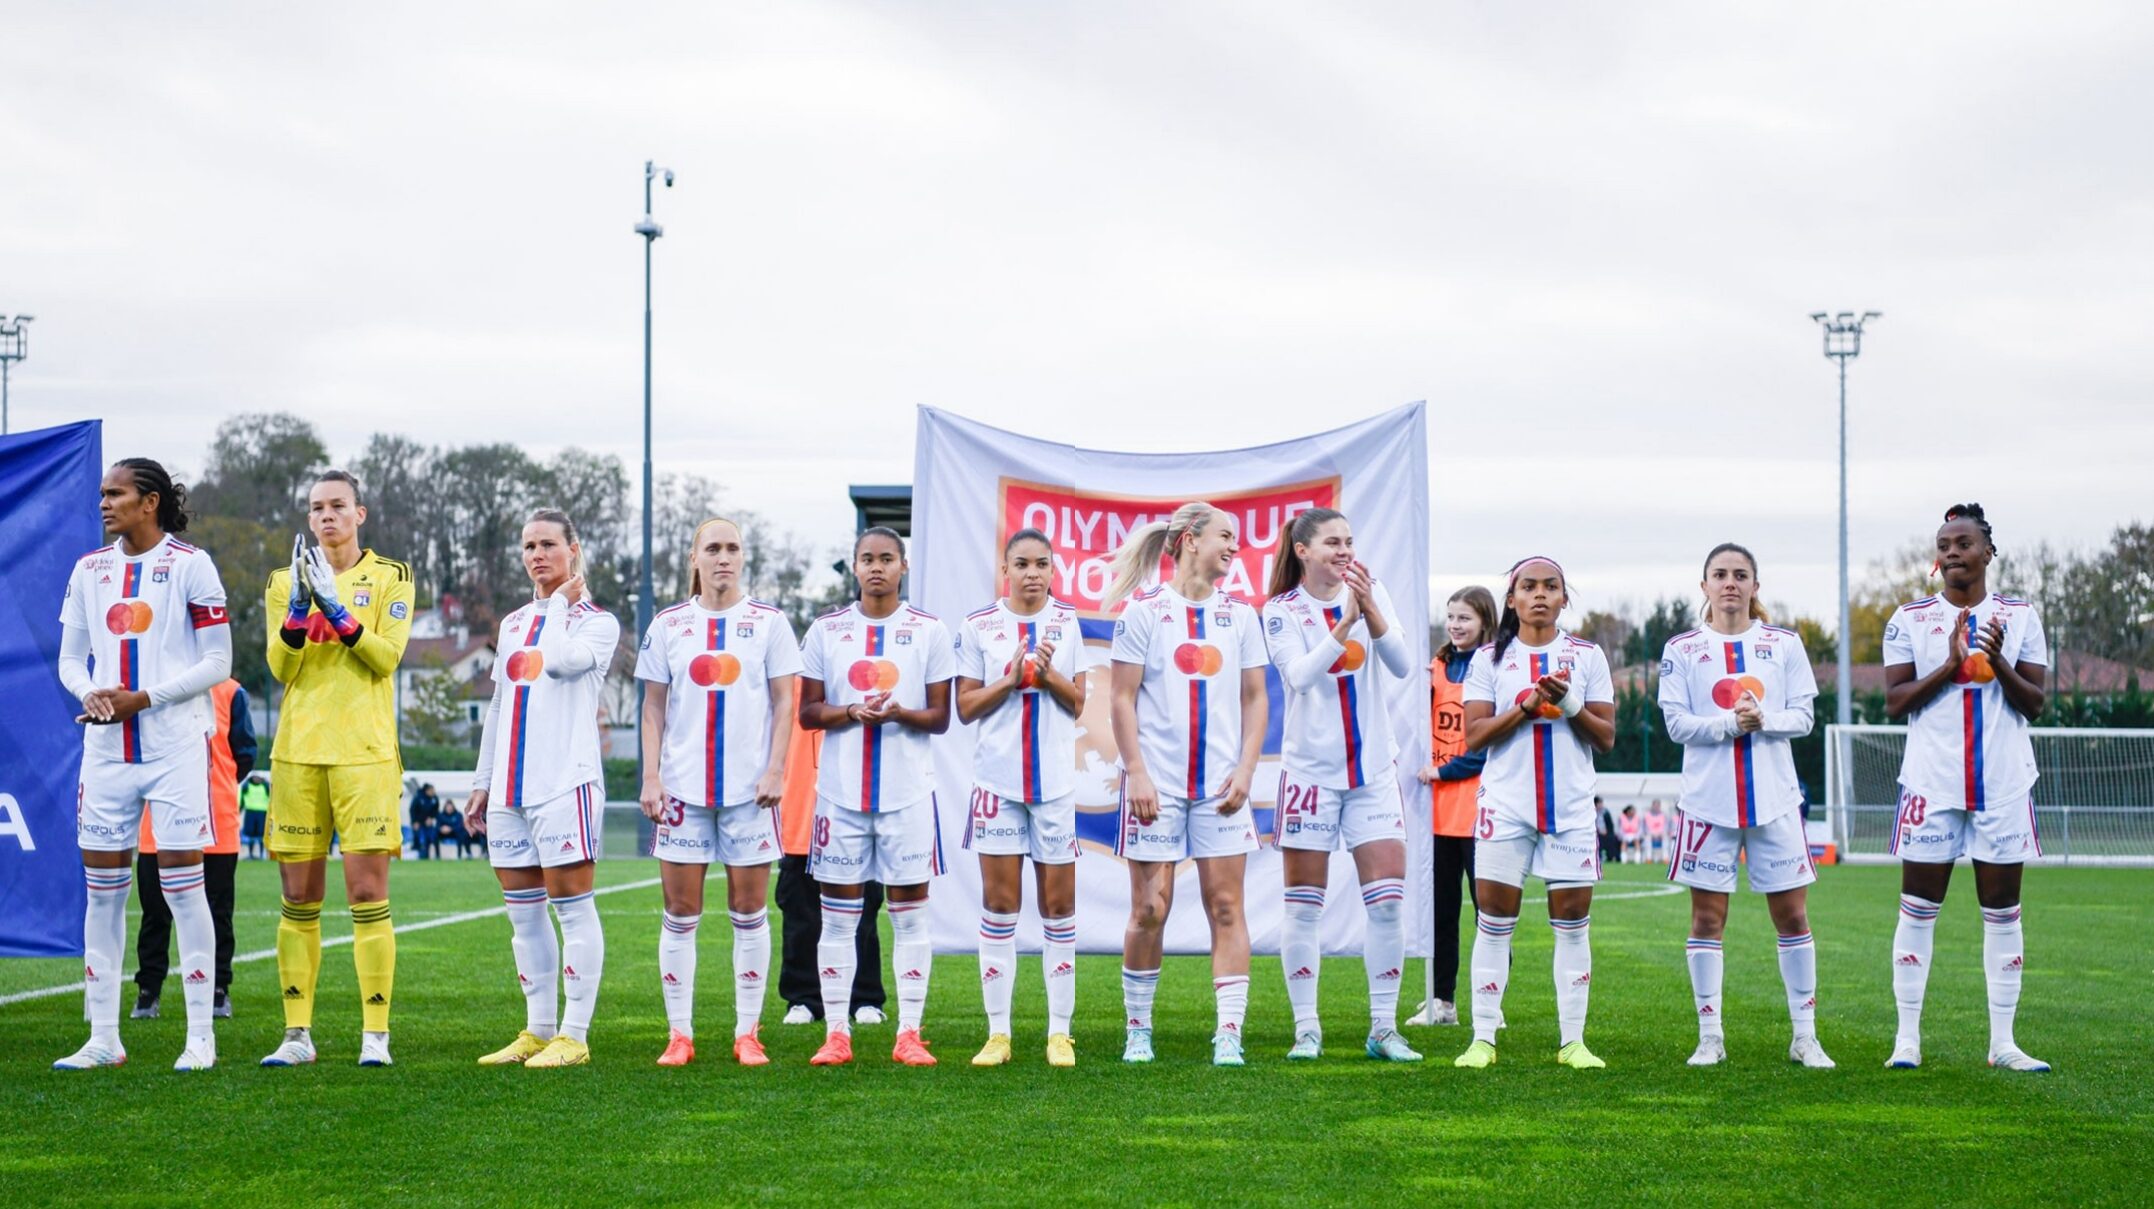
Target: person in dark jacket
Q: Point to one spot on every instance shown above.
(425, 815)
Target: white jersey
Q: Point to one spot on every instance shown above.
(1540, 775)
(546, 723)
(1337, 730)
(143, 615)
(1968, 748)
(887, 766)
(1025, 750)
(1189, 706)
(1732, 779)
(719, 666)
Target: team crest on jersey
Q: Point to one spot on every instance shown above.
(745, 629)
(1054, 633)
(1222, 620)
(362, 598)
(1765, 652)
(904, 637)
(160, 575)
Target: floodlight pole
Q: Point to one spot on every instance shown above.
(14, 346)
(650, 231)
(1843, 343)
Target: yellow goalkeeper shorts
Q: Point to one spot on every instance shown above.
(357, 801)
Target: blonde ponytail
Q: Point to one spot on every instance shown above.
(1139, 556)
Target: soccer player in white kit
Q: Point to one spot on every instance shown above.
(1188, 710)
(1021, 665)
(875, 678)
(143, 637)
(1735, 693)
(718, 672)
(543, 793)
(1541, 702)
(1329, 627)
(1966, 668)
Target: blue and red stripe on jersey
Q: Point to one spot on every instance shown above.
(1544, 760)
(1028, 739)
(131, 669)
(871, 738)
(1197, 711)
(1971, 731)
(714, 725)
(519, 715)
(1349, 711)
(1746, 788)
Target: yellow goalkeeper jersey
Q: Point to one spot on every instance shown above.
(340, 701)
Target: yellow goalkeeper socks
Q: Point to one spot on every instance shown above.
(374, 954)
(299, 960)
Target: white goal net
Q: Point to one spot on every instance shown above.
(2093, 805)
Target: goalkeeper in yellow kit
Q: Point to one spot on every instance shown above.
(338, 619)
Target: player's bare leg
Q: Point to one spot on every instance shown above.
(1151, 898)
(1219, 878)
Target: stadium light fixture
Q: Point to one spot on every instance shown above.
(14, 346)
(1843, 343)
(650, 231)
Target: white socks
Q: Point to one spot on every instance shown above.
(1798, 973)
(1491, 966)
(751, 968)
(1301, 953)
(1911, 944)
(914, 958)
(1230, 993)
(1383, 953)
(998, 968)
(834, 960)
(2004, 951)
(1704, 959)
(677, 970)
(583, 961)
(104, 935)
(188, 901)
(1574, 976)
(1138, 988)
(1058, 961)
(538, 958)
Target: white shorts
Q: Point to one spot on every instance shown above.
(2001, 835)
(1320, 819)
(896, 847)
(1507, 851)
(1044, 831)
(746, 834)
(110, 795)
(1184, 829)
(1777, 854)
(557, 832)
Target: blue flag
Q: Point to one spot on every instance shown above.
(48, 519)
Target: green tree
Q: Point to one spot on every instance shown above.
(1670, 616)
(396, 480)
(245, 553)
(260, 467)
(434, 708)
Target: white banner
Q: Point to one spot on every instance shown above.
(974, 485)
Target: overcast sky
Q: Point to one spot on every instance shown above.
(1587, 234)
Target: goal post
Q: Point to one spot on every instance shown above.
(2093, 802)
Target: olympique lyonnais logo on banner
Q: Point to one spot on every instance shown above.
(1085, 528)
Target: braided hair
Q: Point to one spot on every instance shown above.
(1973, 512)
(151, 478)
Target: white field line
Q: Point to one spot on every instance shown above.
(444, 921)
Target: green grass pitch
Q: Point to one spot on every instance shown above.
(437, 1129)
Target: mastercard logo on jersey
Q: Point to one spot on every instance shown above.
(718, 669)
(525, 666)
(129, 617)
(872, 675)
(1351, 660)
(1198, 659)
(1730, 690)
